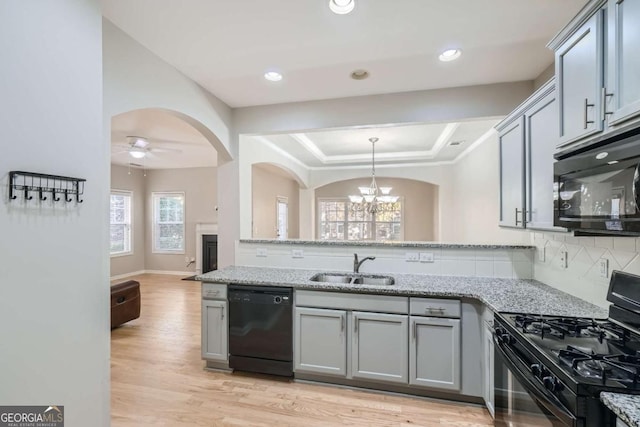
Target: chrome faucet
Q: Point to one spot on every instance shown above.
(357, 264)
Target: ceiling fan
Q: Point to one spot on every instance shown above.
(140, 147)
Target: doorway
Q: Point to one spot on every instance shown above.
(282, 217)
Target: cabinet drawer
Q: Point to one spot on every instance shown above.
(214, 291)
(435, 307)
(355, 302)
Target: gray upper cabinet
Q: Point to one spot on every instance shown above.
(511, 142)
(540, 142)
(528, 138)
(379, 347)
(434, 353)
(214, 330)
(623, 62)
(320, 343)
(579, 76)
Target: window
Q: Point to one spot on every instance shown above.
(120, 221)
(338, 220)
(168, 222)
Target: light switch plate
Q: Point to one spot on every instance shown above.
(297, 253)
(426, 257)
(261, 252)
(603, 267)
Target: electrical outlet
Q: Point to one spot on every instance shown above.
(426, 257)
(261, 252)
(411, 257)
(603, 267)
(562, 259)
(297, 253)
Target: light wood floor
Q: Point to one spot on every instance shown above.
(157, 378)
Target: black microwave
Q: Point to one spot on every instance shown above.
(597, 190)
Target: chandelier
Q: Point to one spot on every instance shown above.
(373, 199)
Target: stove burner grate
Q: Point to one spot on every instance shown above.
(621, 368)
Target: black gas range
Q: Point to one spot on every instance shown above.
(550, 370)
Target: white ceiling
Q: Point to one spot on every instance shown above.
(226, 46)
(173, 143)
(417, 143)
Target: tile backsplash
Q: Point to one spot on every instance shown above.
(472, 262)
(583, 274)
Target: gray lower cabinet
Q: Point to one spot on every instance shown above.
(320, 343)
(379, 347)
(214, 330)
(488, 360)
(434, 352)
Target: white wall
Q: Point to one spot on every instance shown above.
(135, 78)
(268, 184)
(131, 179)
(54, 298)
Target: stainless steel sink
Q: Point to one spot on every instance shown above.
(354, 279)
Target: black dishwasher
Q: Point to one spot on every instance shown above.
(261, 329)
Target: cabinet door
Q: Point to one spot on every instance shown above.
(379, 347)
(511, 142)
(623, 66)
(214, 330)
(320, 341)
(541, 140)
(579, 71)
(487, 345)
(434, 355)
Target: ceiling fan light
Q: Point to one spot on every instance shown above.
(137, 154)
(341, 7)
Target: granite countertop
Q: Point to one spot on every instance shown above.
(625, 406)
(502, 295)
(404, 244)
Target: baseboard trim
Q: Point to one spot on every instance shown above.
(168, 272)
(125, 275)
(172, 273)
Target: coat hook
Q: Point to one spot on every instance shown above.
(26, 193)
(66, 196)
(78, 199)
(55, 199)
(42, 197)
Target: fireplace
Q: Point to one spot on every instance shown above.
(209, 252)
(203, 230)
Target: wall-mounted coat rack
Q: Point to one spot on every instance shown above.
(45, 186)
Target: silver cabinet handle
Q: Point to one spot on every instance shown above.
(355, 324)
(605, 95)
(435, 310)
(222, 314)
(342, 323)
(517, 212)
(415, 330)
(587, 122)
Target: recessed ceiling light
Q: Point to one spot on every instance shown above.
(342, 7)
(450, 55)
(273, 76)
(359, 74)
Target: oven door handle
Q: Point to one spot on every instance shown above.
(541, 395)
